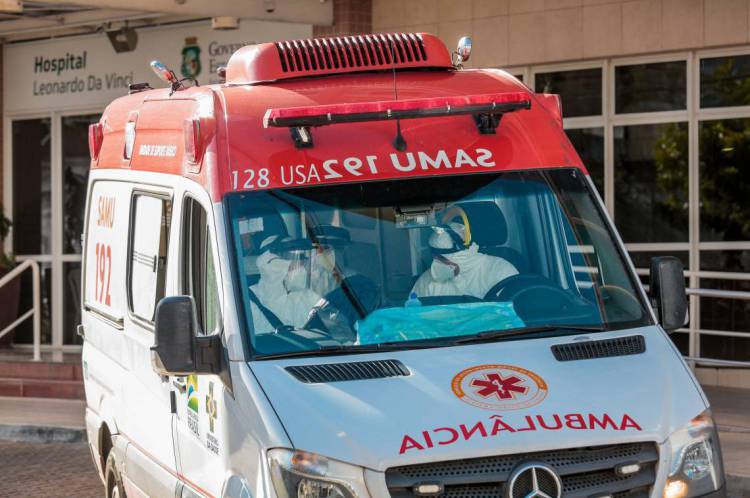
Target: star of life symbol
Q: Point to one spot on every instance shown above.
(494, 384)
(499, 387)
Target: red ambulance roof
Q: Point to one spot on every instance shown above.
(238, 153)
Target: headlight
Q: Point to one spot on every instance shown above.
(696, 467)
(298, 474)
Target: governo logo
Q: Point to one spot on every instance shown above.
(499, 387)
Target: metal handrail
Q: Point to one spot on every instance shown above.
(36, 307)
(695, 293)
(725, 294)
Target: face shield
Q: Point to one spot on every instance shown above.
(255, 233)
(324, 258)
(447, 242)
(329, 241)
(286, 260)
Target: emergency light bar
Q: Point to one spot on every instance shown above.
(486, 108)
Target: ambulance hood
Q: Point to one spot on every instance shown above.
(485, 399)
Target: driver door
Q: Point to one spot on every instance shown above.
(200, 426)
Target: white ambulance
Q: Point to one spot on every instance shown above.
(356, 270)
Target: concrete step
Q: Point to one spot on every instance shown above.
(41, 388)
(40, 370)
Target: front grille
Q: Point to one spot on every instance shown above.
(340, 52)
(584, 472)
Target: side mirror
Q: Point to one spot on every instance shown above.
(668, 292)
(178, 348)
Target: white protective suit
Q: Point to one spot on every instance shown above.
(282, 289)
(469, 273)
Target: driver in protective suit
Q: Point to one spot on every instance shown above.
(282, 297)
(458, 268)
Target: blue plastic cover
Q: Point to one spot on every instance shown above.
(429, 322)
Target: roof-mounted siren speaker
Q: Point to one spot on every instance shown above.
(166, 75)
(463, 52)
(163, 72)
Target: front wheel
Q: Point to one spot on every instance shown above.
(113, 479)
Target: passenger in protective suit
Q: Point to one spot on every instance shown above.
(458, 268)
(327, 269)
(282, 295)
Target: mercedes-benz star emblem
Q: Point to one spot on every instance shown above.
(534, 480)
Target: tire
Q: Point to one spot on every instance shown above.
(114, 488)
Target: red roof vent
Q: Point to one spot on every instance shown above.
(341, 54)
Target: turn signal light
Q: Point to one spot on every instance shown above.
(127, 152)
(675, 489)
(192, 130)
(96, 138)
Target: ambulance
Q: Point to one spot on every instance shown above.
(355, 269)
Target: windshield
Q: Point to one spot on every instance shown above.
(430, 261)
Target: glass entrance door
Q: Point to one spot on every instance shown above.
(30, 209)
(75, 174)
(47, 195)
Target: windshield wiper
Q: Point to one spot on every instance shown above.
(490, 335)
(354, 349)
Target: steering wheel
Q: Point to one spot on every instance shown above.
(533, 295)
(354, 298)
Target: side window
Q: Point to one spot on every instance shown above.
(149, 240)
(198, 272)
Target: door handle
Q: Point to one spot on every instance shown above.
(180, 384)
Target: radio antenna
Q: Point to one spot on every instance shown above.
(399, 143)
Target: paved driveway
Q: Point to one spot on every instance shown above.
(55, 470)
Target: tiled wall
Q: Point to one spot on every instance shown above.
(514, 32)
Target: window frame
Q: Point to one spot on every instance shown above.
(163, 195)
(580, 121)
(693, 115)
(714, 113)
(185, 252)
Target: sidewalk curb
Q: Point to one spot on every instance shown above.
(738, 486)
(41, 434)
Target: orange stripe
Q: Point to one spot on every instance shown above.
(178, 475)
